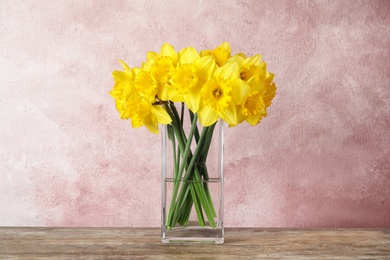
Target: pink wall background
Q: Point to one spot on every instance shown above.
(320, 159)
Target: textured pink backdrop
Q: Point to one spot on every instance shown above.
(320, 159)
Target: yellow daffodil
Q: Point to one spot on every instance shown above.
(253, 107)
(221, 94)
(142, 113)
(134, 92)
(123, 91)
(189, 76)
(151, 115)
(253, 71)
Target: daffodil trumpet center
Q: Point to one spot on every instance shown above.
(216, 93)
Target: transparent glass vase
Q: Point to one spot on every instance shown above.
(192, 185)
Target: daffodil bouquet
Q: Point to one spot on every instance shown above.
(213, 85)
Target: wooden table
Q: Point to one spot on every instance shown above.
(240, 243)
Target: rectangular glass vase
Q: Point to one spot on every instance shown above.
(192, 190)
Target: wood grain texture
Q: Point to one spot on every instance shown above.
(240, 243)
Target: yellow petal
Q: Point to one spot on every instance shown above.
(188, 55)
(205, 53)
(162, 92)
(257, 85)
(254, 60)
(241, 55)
(229, 114)
(151, 123)
(205, 67)
(121, 77)
(136, 122)
(124, 112)
(151, 55)
(135, 71)
(225, 46)
(240, 116)
(271, 91)
(255, 119)
(124, 65)
(239, 91)
(207, 116)
(169, 51)
(160, 114)
(148, 64)
(228, 71)
(236, 58)
(193, 99)
(115, 93)
(143, 108)
(174, 95)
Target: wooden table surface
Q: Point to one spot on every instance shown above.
(240, 243)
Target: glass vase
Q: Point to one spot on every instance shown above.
(192, 182)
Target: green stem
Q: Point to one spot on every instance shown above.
(182, 114)
(192, 182)
(196, 130)
(171, 137)
(204, 168)
(197, 205)
(186, 211)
